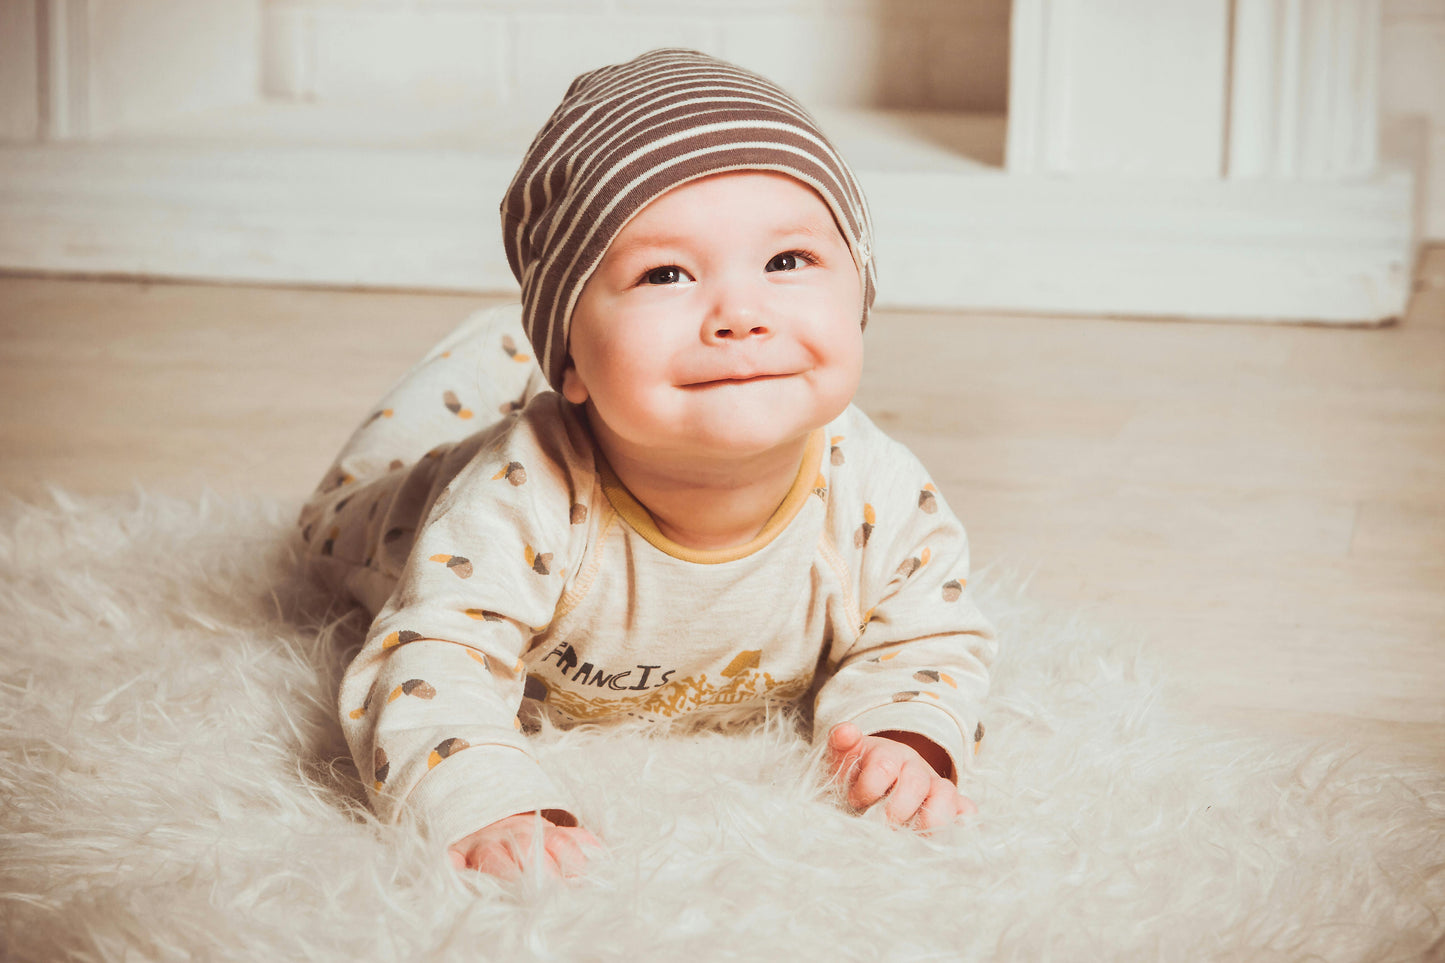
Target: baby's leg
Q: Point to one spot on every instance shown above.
(359, 525)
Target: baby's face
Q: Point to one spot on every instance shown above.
(724, 321)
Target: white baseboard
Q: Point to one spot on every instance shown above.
(285, 200)
(1208, 250)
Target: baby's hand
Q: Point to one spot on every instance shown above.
(504, 848)
(872, 767)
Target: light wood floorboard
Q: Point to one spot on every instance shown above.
(1262, 507)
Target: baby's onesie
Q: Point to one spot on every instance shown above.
(519, 578)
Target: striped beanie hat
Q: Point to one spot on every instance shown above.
(628, 133)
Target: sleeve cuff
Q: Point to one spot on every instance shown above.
(934, 724)
(478, 786)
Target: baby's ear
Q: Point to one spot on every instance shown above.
(572, 387)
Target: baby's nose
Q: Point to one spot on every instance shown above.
(738, 330)
(737, 313)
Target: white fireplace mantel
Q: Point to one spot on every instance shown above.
(1201, 158)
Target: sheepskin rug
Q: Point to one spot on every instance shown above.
(175, 787)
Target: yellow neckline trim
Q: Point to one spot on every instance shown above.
(641, 521)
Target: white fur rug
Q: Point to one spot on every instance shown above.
(175, 787)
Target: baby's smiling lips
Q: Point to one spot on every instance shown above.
(737, 379)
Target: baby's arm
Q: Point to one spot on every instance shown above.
(900, 707)
(432, 725)
(430, 703)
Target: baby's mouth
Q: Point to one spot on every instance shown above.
(736, 380)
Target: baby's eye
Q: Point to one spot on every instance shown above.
(789, 261)
(670, 274)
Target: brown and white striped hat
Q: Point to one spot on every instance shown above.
(628, 133)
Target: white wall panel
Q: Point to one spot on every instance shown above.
(19, 70)
(553, 48)
(154, 59)
(1305, 89)
(930, 54)
(1119, 87)
(1412, 84)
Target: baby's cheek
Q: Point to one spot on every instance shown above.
(839, 384)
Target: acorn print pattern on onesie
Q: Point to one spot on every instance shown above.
(911, 694)
(444, 749)
(513, 472)
(911, 565)
(399, 637)
(509, 345)
(380, 768)
(454, 405)
(952, 592)
(934, 675)
(928, 499)
(497, 358)
(459, 565)
(539, 562)
(413, 687)
(865, 531)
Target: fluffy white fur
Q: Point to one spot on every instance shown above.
(175, 786)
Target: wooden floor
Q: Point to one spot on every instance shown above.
(1263, 506)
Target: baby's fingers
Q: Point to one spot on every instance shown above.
(564, 857)
(875, 779)
(497, 859)
(567, 850)
(907, 797)
(844, 744)
(941, 807)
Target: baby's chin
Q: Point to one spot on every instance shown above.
(743, 446)
(745, 431)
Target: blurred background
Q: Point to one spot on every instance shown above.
(227, 226)
(1204, 158)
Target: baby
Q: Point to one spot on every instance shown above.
(675, 513)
